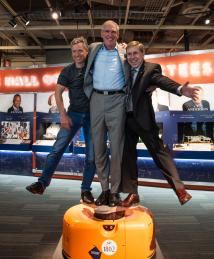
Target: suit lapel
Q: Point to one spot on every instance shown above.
(92, 56)
(122, 58)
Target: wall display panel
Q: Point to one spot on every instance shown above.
(190, 170)
(16, 162)
(16, 121)
(47, 120)
(70, 164)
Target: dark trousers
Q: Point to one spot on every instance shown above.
(159, 153)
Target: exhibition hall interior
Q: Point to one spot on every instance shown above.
(68, 218)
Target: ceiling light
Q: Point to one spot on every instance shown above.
(207, 21)
(55, 15)
(25, 19)
(13, 23)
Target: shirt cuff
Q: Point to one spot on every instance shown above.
(179, 90)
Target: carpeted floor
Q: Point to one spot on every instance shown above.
(30, 225)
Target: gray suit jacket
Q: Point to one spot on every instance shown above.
(88, 81)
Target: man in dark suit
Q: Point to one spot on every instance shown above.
(16, 107)
(140, 122)
(198, 105)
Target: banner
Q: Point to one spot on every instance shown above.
(29, 80)
(196, 69)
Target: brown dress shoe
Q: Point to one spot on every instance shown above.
(183, 196)
(130, 200)
(36, 188)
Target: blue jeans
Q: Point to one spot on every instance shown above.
(64, 137)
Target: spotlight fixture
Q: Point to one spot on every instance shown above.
(25, 19)
(207, 21)
(55, 15)
(13, 23)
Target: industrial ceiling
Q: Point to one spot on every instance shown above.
(162, 25)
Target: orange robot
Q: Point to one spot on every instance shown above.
(100, 233)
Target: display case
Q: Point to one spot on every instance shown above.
(16, 121)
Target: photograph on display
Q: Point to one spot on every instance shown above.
(17, 103)
(195, 136)
(204, 104)
(46, 102)
(15, 130)
(48, 131)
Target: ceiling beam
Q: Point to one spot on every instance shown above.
(168, 7)
(56, 20)
(90, 18)
(126, 19)
(196, 19)
(5, 4)
(154, 46)
(136, 27)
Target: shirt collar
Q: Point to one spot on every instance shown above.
(16, 109)
(115, 48)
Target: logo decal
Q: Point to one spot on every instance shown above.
(109, 247)
(95, 253)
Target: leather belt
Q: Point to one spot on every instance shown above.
(130, 113)
(109, 92)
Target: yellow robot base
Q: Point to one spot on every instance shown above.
(91, 232)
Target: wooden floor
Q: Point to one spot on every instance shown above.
(30, 225)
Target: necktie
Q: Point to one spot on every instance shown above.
(133, 75)
(129, 103)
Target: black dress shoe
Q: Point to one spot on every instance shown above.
(114, 199)
(130, 200)
(36, 188)
(87, 197)
(103, 199)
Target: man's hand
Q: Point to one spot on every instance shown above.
(192, 92)
(65, 121)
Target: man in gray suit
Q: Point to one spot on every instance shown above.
(104, 85)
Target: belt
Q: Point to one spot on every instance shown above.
(109, 92)
(130, 113)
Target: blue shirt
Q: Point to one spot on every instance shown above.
(108, 72)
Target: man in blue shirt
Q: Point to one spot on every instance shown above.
(77, 116)
(104, 85)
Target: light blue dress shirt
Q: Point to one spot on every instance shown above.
(108, 73)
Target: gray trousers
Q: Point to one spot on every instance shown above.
(108, 119)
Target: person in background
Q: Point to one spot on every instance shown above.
(105, 86)
(158, 107)
(77, 116)
(52, 103)
(197, 105)
(16, 107)
(140, 122)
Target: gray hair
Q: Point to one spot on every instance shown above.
(112, 22)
